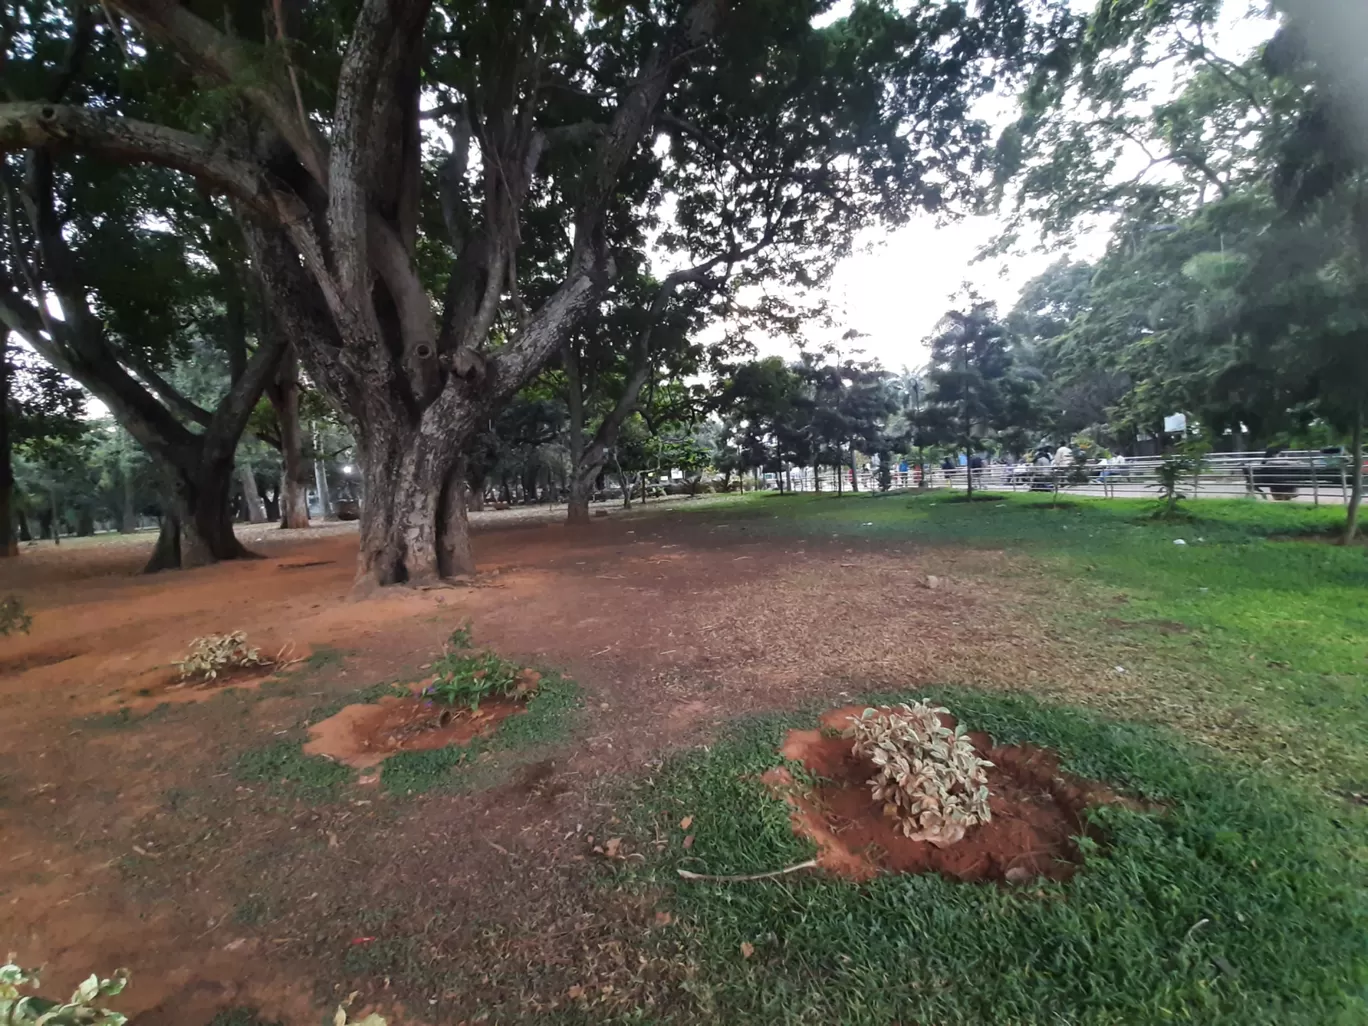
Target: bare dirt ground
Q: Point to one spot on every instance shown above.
(130, 842)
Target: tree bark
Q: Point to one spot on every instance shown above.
(9, 545)
(128, 519)
(581, 476)
(256, 510)
(197, 519)
(56, 519)
(25, 533)
(321, 481)
(1356, 486)
(283, 394)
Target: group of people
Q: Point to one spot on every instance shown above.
(1043, 464)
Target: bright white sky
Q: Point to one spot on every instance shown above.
(895, 292)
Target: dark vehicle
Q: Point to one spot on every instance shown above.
(1280, 477)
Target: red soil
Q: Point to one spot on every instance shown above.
(1037, 812)
(366, 735)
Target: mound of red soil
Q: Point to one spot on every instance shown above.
(366, 735)
(1037, 812)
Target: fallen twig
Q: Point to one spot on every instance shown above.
(686, 875)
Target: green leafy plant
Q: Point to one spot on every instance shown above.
(33, 1010)
(1186, 461)
(12, 616)
(929, 778)
(463, 676)
(217, 654)
(469, 679)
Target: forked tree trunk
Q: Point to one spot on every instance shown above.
(197, 519)
(1356, 480)
(414, 528)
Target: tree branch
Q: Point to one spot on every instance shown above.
(218, 56)
(178, 404)
(35, 125)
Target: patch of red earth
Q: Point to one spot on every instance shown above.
(366, 735)
(160, 686)
(1037, 812)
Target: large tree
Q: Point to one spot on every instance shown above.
(549, 110)
(973, 390)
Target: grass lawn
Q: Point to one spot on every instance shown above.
(1256, 645)
(1238, 899)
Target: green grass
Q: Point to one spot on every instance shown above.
(1273, 665)
(484, 760)
(127, 717)
(1237, 904)
(284, 768)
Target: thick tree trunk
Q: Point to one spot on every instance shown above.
(854, 471)
(25, 534)
(294, 475)
(581, 476)
(1356, 486)
(256, 510)
(414, 528)
(56, 519)
(197, 520)
(581, 488)
(85, 523)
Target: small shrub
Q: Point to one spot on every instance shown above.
(12, 616)
(38, 1011)
(929, 777)
(218, 654)
(467, 678)
(1185, 462)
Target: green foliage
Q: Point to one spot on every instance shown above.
(219, 654)
(546, 721)
(1270, 649)
(17, 1009)
(284, 768)
(1236, 902)
(13, 617)
(1175, 468)
(973, 388)
(469, 678)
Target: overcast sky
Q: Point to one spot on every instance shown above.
(896, 291)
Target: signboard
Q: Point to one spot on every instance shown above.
(1175, 423)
